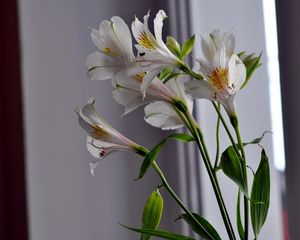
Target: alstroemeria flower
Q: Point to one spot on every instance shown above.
(102, 138)
(113, 39)
(127, 91)
(162, 114)
(154, 55)
(223, 71)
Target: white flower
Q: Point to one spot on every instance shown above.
(127, 91)
(162, 114)
(102, 138)
(154, 55)
(114, 41)
(223, 71)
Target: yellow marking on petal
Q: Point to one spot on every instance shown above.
(109, 51)
(144, 41)
(139, 77)
(99, 133)
(219, 78)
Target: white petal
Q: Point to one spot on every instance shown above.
(229, 105)
(149, 78)
(123, 34)
(200, 89)
(225, 38)
(177, 86)
(109, 37)
(162, 115)
(97, 39)
(137, 28)
(236, 72)
(128, 98)
(125, 81)
(101, 66)
(208, 46)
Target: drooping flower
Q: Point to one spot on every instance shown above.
(154, 55)
(222, 69)
(113, 39)
(160, 112)
(102, 138)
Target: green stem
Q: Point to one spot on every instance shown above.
(227, 130)
(217, 141)
(204, 153)
(234, 122)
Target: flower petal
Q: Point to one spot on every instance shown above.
(101, 66)
(236, 72)
(149, 78)
(122, 32)
(208, 47)
(162, 115)
(225, 38)
(201, 89)
(177, 86)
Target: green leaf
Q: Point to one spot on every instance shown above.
(260, 194)
(251, 63)
(257, 140)
(207, 231)
(238, 217)
(187, 47)
(173, 46)
(232, 167)
(160, 233)
(152, 212)
(164, 73)
(151, 156)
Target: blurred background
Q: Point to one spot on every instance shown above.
(46, 190)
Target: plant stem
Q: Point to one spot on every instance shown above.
(217, 141)
(227, 130)
(234, 122)
(195, 130)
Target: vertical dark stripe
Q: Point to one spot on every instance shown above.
(13, 220)
(289, 52)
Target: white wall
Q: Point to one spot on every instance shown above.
(64, 200)
(245, 19)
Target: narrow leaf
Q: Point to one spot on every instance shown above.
(260, 194)
(257, 140)
(152, 212)
(232, 167)
(207, 231)
(152, 155)
(238, 217)
(159, 233)
(187, 46)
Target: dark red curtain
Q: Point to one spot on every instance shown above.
(13, 220)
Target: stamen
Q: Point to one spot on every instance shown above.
(219, 78)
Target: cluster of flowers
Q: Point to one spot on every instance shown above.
(157, 77)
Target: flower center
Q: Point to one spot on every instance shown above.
(219, 78)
